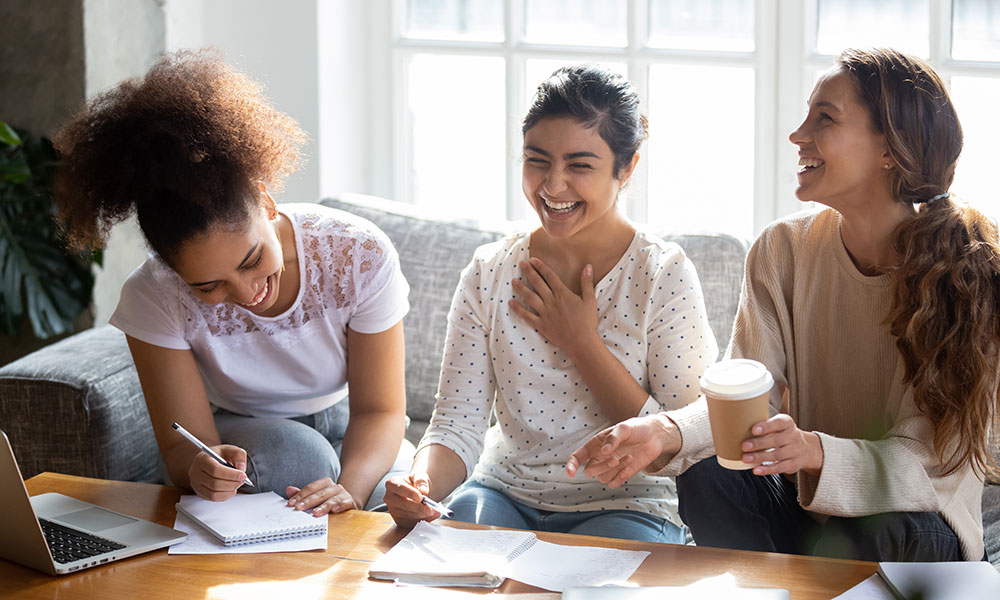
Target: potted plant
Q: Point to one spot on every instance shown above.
(43, 287)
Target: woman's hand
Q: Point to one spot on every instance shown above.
(565, 319)
(216, 482)
(787, 449)
(403, 495)
(616, 454)
(322, 496)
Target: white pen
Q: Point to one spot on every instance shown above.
(201, 446)
(443, 510)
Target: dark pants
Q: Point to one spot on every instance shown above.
(743, 511)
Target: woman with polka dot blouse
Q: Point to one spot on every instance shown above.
(560, 332)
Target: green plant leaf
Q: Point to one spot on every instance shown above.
(15, 171)
(46, 316)
(8, 135)
(38, 277)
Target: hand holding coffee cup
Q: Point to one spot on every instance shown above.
(737, 392)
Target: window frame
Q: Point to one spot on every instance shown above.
(784, 62)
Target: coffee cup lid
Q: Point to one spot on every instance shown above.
(736, 379)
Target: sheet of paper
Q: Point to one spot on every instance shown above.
(200, 541)
(556, 567)
(430, 548)
(873, 588)
(943, 580)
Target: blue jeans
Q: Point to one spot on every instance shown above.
(476, 503)
(743, 511)
(298, 450)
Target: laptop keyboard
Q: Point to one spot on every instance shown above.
(68, 544)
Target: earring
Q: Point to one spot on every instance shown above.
(885, 166)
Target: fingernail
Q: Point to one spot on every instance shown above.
(589, 270)
(747, 446)
(758, 430)
(606, 448)
(241, 466)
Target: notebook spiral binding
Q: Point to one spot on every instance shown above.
(521, 548)
(276, 534)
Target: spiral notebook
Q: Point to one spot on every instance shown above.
(251, 518)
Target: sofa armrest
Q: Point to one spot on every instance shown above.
(76, 407)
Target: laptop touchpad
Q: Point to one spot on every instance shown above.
(95, 519)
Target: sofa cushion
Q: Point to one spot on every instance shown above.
(991, 523)
(88, 421)
(995, 453)
(719, 259)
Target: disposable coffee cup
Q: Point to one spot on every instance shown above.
(737, 391)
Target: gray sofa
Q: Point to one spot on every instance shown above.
(76, 406)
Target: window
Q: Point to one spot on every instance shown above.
(723, 83)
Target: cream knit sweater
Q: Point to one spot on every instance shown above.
(817, 323)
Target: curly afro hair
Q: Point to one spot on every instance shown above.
(186, 148)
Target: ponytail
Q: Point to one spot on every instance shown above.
(945, 317)
(945, 311)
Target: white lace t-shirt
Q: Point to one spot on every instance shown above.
(292, 364)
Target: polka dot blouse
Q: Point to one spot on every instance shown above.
(497, 368)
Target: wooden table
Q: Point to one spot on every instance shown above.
(356, 539)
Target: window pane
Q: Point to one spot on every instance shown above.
(976, 30)
(457, 159)
(575, 22)
(702, 24)
(976, 100)
(475, 20)
(701, 148)
(899, 24)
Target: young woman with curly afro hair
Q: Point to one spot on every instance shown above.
(241, 317)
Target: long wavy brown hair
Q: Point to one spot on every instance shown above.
(185, 148)
(945, 311)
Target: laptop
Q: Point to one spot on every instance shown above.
(57, 534)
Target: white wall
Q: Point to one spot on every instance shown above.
(348, 99)
(274, 43)
(121, 39)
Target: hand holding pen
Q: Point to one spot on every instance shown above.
(208, 451)
(443, 510)
(408, 501)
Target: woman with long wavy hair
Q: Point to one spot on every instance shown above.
(879, 318)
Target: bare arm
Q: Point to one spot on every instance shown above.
(174, 392)
(375, 375)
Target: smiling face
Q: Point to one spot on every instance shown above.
(842, 159)
(242, 267)
(568, 176)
